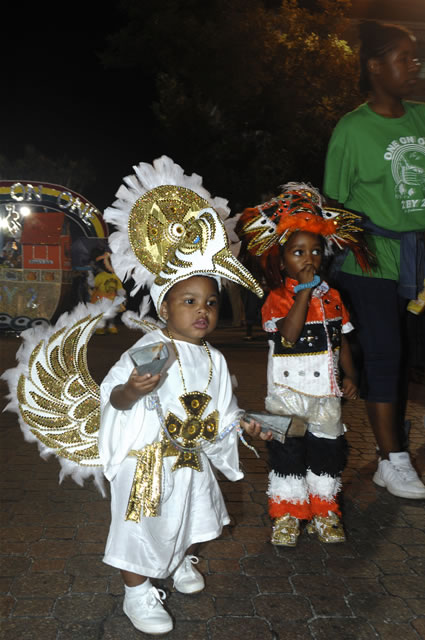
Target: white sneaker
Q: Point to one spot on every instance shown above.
(147, 612)
(187, 578)
(399, 477)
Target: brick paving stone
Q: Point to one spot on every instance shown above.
(7, 604)
(395, 631)
(419, 626)
(20, 629)
(14, 548)
(219, 585)
(364, 585)
(342, 628)
(405, 586)
(286, 630)
(325, 606)
(316, 585)
(195, 607)
(93, 533)
(88, 565)
(274, 607)
(55, 585)
(250, 534)
(48, 564)
(90, 584)
(41, 584)
(246, 628)
(115, 584)
(222, 549)
(224, 565)
(80, 632)
(417, 606)
(14, 565)
(405, 535)
(60, 533)
(234, 606)
(377, 608)
(417, 565)
(346, 567)
(266, 565)
(21, 534)
(33, 607)
(5, 584)
(53, 548)
(85, 608)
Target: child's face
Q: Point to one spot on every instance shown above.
(191, 309)
(303, 250)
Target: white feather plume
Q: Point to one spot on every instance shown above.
(162, 171)
(31, 338)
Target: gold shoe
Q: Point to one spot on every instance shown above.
(112, 329)
(100, 332)
(286, 530)
(328, 528)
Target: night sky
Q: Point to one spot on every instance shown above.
(59, 98)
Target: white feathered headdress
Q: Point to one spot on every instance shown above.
(169, 228)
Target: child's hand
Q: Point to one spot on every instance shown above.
(138, 386)
(350, 389)
(306, 274)
(253, 429)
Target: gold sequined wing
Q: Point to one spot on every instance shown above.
(58, 399)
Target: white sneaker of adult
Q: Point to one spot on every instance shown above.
(187, 578)
(399, 477)
(146, 611)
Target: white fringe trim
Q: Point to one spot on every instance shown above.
(287, 488)
(323, 486)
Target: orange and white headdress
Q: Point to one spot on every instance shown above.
(299, 207)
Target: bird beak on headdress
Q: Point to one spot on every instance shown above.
(202, 251)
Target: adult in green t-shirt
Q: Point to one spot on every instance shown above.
(375, 165)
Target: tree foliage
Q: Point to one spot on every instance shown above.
(36, 166)
(248, 91)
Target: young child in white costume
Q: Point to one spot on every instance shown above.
(161, 434)
(155, 436)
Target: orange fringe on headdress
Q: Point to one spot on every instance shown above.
(306, 222)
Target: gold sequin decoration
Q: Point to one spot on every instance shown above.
(145, 493)
(158, 221)
(59, 399)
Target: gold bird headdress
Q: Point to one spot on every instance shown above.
(169, 228)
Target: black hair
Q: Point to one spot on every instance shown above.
(376, 40)
(195, 275)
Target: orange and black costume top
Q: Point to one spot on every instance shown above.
(311, 365)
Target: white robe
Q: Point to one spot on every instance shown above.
(192, 508)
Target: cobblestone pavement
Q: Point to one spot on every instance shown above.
(54, 585)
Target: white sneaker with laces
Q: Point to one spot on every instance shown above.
(146, 611)
(399, 477)
(187, 578)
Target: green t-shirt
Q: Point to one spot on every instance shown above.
(376, 166)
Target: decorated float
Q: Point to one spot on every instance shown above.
(47, 233)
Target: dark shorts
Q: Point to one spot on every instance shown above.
(376, 311)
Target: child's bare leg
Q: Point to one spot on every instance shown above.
(193, 550)
(132, 579)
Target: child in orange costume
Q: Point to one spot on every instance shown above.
(306, 322)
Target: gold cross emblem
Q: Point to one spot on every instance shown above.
(188, 432)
